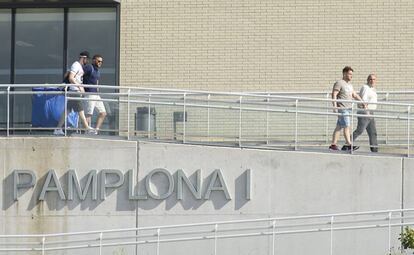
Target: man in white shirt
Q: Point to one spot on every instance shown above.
(75, 78)
(368, 94)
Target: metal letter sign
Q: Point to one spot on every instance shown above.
(159, 184)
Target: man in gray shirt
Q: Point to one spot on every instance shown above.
(343, 90)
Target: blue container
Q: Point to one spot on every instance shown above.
(47, 109)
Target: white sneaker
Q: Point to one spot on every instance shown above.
(58, 132)
(91, 131)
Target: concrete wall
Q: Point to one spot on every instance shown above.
(28, 215)
(267, 45)
(283, 184)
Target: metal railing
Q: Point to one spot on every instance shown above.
(296, 121)
(268, 233)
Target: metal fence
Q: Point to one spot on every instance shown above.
(384, 228)
(289, 121)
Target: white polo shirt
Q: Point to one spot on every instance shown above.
(369, 96)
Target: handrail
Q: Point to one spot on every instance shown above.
(282, 94)
(215, 231)
(311, 216)
(181, 91)
(236, 94)
(206, 107)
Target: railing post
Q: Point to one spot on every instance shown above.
(184, 116)
(331, 237)
(8, 111)
(296, 124)
(128, 113)
(267, 119)
(240, 120)
(273, 236)
(158, 241)
(208, 116)
(401, 221)
(389, 232)
(100, 243)
(386, 119)
(66, 111)
(149, 117)
(352, 127)
(408, 130)
(43, 245)
(215, 239)
(327, 119)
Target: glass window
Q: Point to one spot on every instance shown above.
(39, 46)
(5, 57)
(38, 54)
(94, 30)
(5, 42)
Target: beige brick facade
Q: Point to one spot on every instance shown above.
(265, 45)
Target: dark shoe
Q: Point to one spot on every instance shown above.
(348, 148)
(333, 147)
(374, 149)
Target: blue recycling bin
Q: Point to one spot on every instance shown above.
(47, 109)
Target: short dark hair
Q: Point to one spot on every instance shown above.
(347, 69)
(97, 56)
(84, 54)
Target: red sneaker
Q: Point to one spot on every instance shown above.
(333, 147)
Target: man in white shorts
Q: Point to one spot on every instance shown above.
(91, 77)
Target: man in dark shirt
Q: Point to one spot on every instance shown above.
(91, 77)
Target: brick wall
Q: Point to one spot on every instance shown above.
(265, 45)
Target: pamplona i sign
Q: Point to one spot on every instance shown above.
(103, 180)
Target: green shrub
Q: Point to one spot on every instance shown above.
(407, 238)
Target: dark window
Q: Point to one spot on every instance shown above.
(5, 42)
(39, 44)
(38, 54)
(94, 30)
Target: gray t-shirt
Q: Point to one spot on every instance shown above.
(345, 93)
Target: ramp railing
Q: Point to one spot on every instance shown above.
(289, 121)
(325, 233)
